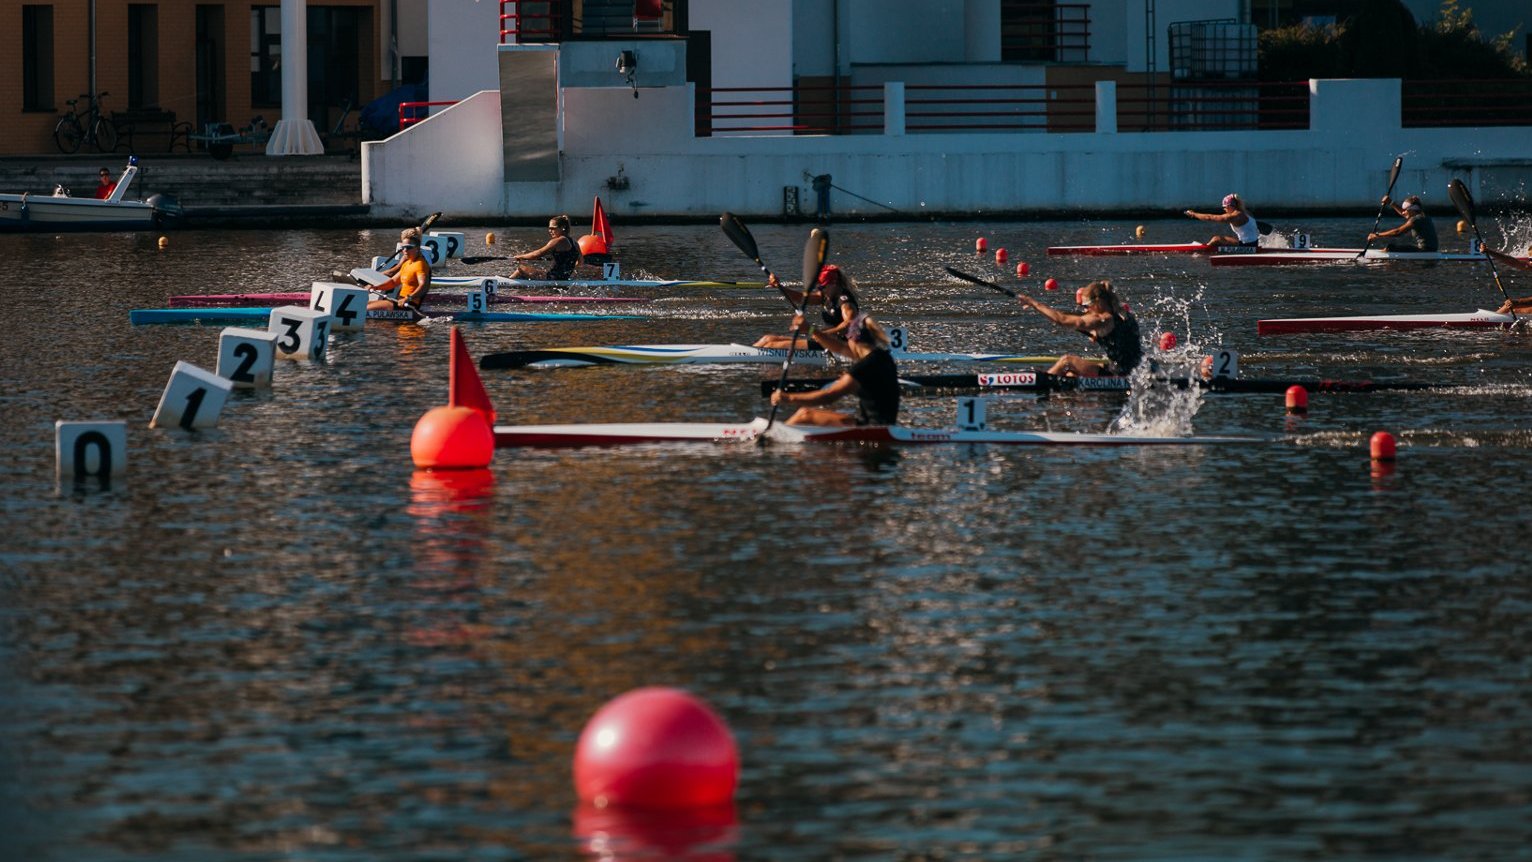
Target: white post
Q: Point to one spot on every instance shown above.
(893, 108)
(294, 134)
(1106, 107)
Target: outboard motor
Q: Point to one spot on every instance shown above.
(167, 210)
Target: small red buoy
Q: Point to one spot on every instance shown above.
(1051, 284)
(1297, 400)
(452, 438)
(1022, 269)
(656, 748)
(1000, 256)
(1383, 446)
(980, 245)
(1167, 341)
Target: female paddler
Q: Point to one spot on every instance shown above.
(1106, 322)
(1239, 220)
(411, 275)
(835, 292)
(873, 378)
(563, 252)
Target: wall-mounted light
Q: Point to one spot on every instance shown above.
(627, 67)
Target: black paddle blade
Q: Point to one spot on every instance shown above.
(1393, 172)
(430, 222)
(958, 273)
(815, 251)
(1461, 199)
(470, 261)
(1264, 227)
(738, 234)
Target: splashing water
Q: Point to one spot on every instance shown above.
(1158, 408)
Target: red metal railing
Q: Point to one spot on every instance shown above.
(1007, 107)
(523, 21)
(1454, 103)
(806, 109)
(1033, 32)
(1203, 106)
(413, 112)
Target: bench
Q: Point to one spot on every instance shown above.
(151, 122)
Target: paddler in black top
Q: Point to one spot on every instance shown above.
(564, 252)
(1107, 323)
(835, 292)
(1418, 231)
(873, 378)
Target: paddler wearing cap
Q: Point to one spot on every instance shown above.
(1417, 228)
(873, 378)
(412, 276)
(1239, 220)
(835, 293)
(1107, 322)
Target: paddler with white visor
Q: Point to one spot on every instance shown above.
(1242, 225)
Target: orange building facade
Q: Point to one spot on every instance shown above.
(176, 63)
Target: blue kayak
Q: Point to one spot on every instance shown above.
(246, 315)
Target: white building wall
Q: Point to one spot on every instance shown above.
(905, 31)
(1109, 31)
(752, 41)
(463, 39)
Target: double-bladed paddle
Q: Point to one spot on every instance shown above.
(814, 253)
(1393, 175)
(471, 260)
(740, 235)
(1461, 199)
(958, 273)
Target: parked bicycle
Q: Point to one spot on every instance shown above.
(87, 125)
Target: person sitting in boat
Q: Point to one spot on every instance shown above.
(1239, 220)
(873, 378)
(1417, 229)
(104, 184)
(412, 276)
(835, 293)
(1107, 322)
(561, 250)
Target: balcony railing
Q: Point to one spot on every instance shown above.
(413, 112)
(1033, 32)
(1221, 105)
(999, 107)
(806, 109)
(1435, 104)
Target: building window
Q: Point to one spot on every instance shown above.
(143, 56)
(37, 58)
(265, 56)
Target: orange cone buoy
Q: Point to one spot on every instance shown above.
(1167, 341)
(1022, 269)
(1001, 257)
(1383, 448)
(1051, 284)
(1297, 400)
(980, 245)
(657, 748)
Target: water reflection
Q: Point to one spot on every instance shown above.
(615, 834)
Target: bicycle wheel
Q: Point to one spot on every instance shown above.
(105, 135)
(67, 135)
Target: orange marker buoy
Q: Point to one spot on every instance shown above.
(1297, 400)
(1023, 269)
(1001, 257)
(1167, 341)
(164, 243)
(1139, 232)
(1206, 368)
(452, 438)
(489, 238)
(1383, 448)
(980, 245)
(656, 748)
(1051, 284)
(1462, 225)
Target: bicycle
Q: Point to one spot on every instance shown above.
(96, 128)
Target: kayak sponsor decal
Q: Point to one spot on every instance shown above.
(1009, 378)
(1107, 383)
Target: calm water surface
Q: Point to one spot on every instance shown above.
(275, 640)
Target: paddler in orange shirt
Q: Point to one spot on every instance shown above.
(412, 277)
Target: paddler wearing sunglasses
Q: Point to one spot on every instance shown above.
(412, 276)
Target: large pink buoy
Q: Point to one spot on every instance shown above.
(656, 748)
(1001, 256)
(452, 438)
(1023, 269)
(980, 245)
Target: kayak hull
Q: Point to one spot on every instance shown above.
(1481, 319)
(147, 316)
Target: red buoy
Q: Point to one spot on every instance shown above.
(1167, 341)
(1383, 446)
(452, 438)
(1297, 400)
(1022, 269)
(1001, 257)
(656, 748)
(980, 245)
(1051, 284)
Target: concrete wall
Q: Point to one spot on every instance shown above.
(450, 161)
(1341, 163)
(464, 39)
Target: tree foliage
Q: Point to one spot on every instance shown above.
(1382, 40)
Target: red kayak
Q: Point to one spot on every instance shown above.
(217, 300)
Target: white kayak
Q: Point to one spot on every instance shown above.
(1481, 319)
(711, 354)
(626, 433)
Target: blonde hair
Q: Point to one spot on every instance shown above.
(1102, 291)
(410, 234)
